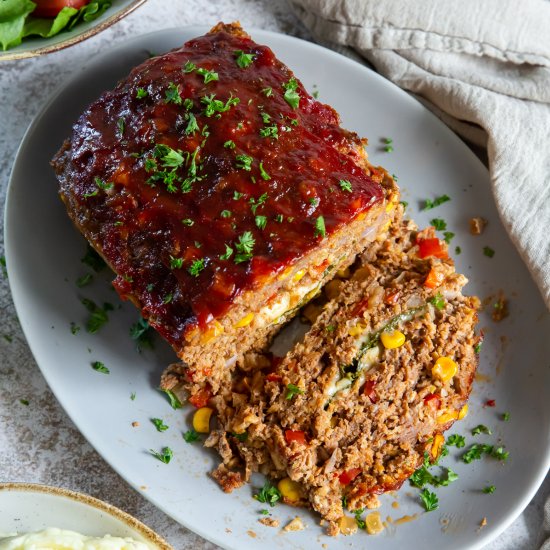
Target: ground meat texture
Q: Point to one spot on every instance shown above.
(220, 192)
(345, 413)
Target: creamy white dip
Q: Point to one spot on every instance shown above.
(61, 539)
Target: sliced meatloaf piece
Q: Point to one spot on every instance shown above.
(386, 367)
(220, 192)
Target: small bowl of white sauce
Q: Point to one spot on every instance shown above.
(41, 517)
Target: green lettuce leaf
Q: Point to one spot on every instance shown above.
(12, 20)
(49, 27)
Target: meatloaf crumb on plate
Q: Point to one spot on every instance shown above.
(221, 194)
(386, 367)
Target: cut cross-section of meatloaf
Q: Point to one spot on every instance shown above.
(220, 192)
(387, 366)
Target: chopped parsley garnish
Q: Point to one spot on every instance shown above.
(168, 298)
(264, 512)
(176, 263)
(209, 76)
(175, 403)
(314, 201)
(189, 67)
(229, 144)
(430, 500)
(237, 195)
(279, 218)
(74, 328)
(24, 402)
(188, 222)
(225, 213)
(388, 148)
(315, 94)
(404, 203)
(191, 436)
(169, 157)
(244, 162)
(270, 131)
(429, 204)
(268, 92)
(172, 94)
(100, 367)
(320, 227)
(240, 437)
(98, 316)
(257, 202)
(244, 247)
(291, 96)
(292, 390)
(84, 280)
(187, 103)
(458, 250)
(242, 59)
(345, 185)
(141, 93)
(423, 476)
(3, 265)
(456, 440)
(133, 396)
(476, 451)
(478, 346)
(159, 424)
(142, 333)
(192, 125)
(164, 456)
(261, 221)
(93, 259)
(263, 173)
(103, 185)
(506, 416)
(268, 494)
(196, 267)
(489, 490)
(437, 301)
(439, 224)
(358, 513)
(7, 338)
(121, 125)
(448, 236)
(214, 106)
(266, 117)
(488, 251)
(228, 253)
(330, 328)
(481, 429)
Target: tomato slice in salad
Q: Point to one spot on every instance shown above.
(50, 8)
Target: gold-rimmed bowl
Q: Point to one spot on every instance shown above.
(35, 46)
(27, 507)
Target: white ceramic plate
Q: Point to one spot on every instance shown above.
(26, 507)
(36, 45)
(43, 253)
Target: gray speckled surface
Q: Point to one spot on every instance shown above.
(38, 442)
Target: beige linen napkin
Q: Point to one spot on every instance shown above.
(484, 68)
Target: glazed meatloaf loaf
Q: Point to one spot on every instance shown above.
(386, 367)
(220, 193)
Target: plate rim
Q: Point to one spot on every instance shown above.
(482, 538)
(88, 33)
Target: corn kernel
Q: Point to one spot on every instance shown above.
(447, 416)
(347, 525)
(356, 330)
(201, 420)
(445, 368)
(290, 490)
(436, 446)
(390, 206)
(392, 340)
(246, 320)
(463, 412)
(343, 273)
(373, 523)
(299, 274)
(361, 216)
(285, 273)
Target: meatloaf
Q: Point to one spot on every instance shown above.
(222, 195)
(386, 367)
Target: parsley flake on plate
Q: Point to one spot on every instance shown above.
(98, 316)
(488, 251)
(456, 440)
(175, 403)
(268, 494)
(84, 280)
(430, 500)
(92, 259)
(481, 429)
(159, 424)
(164, 456)
(438, 224)
(489, 490)
(100, 367)
(190, 436)
(429, 204)
(142, 333)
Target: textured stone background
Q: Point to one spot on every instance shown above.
(39, 443)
